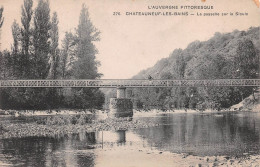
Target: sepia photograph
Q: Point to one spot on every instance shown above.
(129, 83)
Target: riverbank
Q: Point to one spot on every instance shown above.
(155, 158)
(61, 125)
(111, 157)
(251, 103)
(18, 113)
(177, 111)
(44, 112)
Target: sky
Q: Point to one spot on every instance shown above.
(130, 44)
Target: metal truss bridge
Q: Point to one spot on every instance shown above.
(127, 83)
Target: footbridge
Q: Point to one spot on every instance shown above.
(121, 106)
(128, 83)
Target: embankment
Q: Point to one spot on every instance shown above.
(251, 103)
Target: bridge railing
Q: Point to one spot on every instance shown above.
(112, 83)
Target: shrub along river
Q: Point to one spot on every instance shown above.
(230, 134)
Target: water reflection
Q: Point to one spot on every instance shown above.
(198, 134)
(66, 150)
(225, 134)
(107, 136)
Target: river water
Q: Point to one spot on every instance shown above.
(211, 134)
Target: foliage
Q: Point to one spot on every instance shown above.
(41, 44)
(26, 30)
(1, 17)
(84, 65)
(36, 54)
(231, 55)
(54, 51)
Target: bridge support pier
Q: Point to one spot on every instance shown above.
(121, 106)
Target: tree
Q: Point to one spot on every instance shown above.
(54, 59)
(18, 60)
(5, 71)
(1, 21)
(41, 36)
(86, 63)
(246, 59)
(16, 37)
(1, 16)
(246, 64)
(67, 55)
(38, 98)
(26, 33)
(54, 96)
(180, 66)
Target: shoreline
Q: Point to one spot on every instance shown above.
(169, 159)
(154, 158)
(18, 113)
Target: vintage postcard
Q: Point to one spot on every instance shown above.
(129, 83)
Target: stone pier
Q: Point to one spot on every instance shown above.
(121, 106)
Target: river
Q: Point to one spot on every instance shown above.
(202, 134)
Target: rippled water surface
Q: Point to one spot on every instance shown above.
(232, 134)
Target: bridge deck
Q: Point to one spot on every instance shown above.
(113, 83)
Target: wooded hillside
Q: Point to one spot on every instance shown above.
(230, 55)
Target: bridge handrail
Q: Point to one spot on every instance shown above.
(111, 83)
